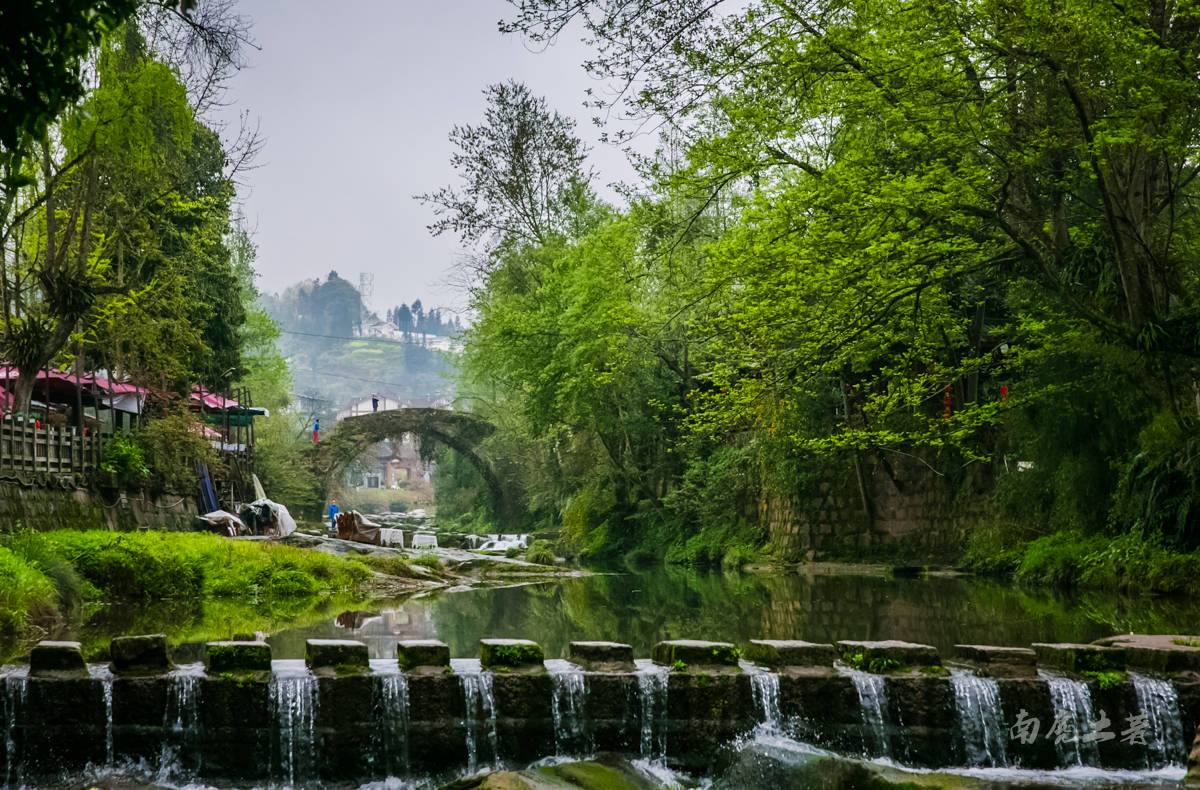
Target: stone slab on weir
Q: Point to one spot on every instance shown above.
(423, 655)
(1079, 658)
(57, 659)
(511, 654)
(790, 653)
(140, 653)
(695, 653)
(999, 662)
(906, 653)
(237, 657)
(602, 656)
(1157, 652)
(342, 656)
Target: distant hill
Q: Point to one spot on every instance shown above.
(322, 326)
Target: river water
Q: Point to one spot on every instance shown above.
(669, 603)
(644, 607)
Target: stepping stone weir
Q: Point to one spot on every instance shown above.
(237, 657)
(776, 653)
(695, 653)
(336, 656)
(998, 662)
(1079, 658)
(57, 660)
(140, 654)
(603, 656)
(423, 656)
(908, 654)
(1157, 652)
(511, 654)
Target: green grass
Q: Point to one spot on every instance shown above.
(25, 592)
(428, 560)
(1126, 563)
(42, 573)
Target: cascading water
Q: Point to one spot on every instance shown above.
(872, 699)
(181, 720)
(391, 722)
(481, 711)
(15, 689)
(978, 702)
(293, 708)
(1073, 716)
(102, 673)
(764, 686)
(652, 693)
(567, 706)
(1159, 703)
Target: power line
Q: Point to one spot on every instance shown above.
(384, 339)
(351, 378)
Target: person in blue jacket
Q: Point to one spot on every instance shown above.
(333, 511)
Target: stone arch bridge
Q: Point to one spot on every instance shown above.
(462, 432)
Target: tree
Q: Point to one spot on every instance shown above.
(523, 180)
(44, 43)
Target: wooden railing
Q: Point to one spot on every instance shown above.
(26, 448)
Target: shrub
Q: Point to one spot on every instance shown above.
(539, 552)
(124, 460)
(25, 593)
(1057, 559)
(428, 560)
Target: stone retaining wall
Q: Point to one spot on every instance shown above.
(917, 513)
(53, 506)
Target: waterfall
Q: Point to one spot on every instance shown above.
(765, 688)
(872, 699)
(293, 706)
(481, 712)
(15, 690)
(570, 726)
(1073, 712)
(181, 721)
(652, 691)
(391, 717)
(1159, 703)
(104, 674)
(978, 702)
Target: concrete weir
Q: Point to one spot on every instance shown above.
(242, 718)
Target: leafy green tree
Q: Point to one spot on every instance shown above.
(523, 180)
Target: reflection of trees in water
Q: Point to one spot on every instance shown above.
(665, 603)
(673, 603)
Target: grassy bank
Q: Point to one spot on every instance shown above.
(44, 574)
(1124, 563)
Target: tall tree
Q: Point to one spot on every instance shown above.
(522, 173)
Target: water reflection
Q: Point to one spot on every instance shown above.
(671, 603)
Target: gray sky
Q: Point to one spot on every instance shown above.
(355, 100)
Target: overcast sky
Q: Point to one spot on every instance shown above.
(355, 100)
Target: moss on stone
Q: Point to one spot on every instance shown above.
(496, 653)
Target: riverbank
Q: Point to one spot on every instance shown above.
(213, 587)
(1125, 563)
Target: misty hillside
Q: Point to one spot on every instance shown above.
(339, 353)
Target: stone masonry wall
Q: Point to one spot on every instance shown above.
(917, 514)
(56, 507)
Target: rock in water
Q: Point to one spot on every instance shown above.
(606, 772)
